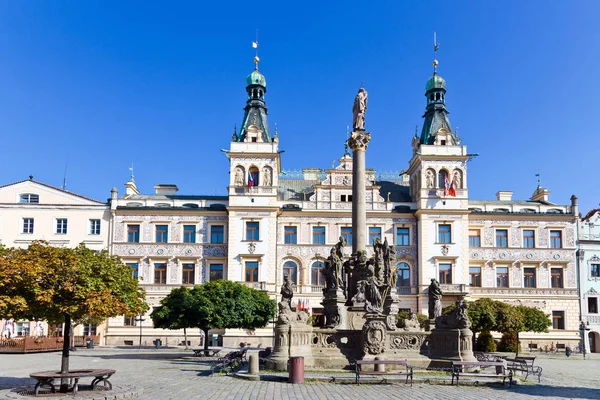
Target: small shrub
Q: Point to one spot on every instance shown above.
(485, 342)
(508, 343)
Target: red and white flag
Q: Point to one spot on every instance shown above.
(449, 187)
(250, 179)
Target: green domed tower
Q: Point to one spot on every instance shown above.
(436, 114)
(255, 112)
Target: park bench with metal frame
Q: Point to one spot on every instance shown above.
(230, 362)
(397, 363)
(46, 378)
(206, 353)
(477, 368)
(525, 365)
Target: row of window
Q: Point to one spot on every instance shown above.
(290, 235)
(502, 237)
(502, 276)
(62, 225)
(188, 272)
(217, 233)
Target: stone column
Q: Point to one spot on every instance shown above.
(358, 143)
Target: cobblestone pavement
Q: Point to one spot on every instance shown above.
(164, 375)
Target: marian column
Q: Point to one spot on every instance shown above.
(358, 143)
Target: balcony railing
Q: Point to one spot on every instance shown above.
(457, 288)
(255, 285)
(404, 290)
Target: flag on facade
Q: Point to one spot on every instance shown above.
(452, 190)
(449, 187)
(250, 180)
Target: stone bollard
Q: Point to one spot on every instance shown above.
(379, 367)
(253, 365)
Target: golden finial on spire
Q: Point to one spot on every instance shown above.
(436, 46)
(255, 45)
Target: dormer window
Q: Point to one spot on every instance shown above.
(29, 198)
(443, 142)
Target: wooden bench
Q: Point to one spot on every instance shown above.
(459, 368)
(525, 365)
(46, 378)
(230, 362)
(206, 353)
(398, 363)
(480, 356)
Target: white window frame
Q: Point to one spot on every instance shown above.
(91, 231)
(65, 227)
(32, 225)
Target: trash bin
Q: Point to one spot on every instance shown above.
(568, 351)
(157, 343)
(296, 370)
(89, 343)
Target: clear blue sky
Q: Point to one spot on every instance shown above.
(161, 84)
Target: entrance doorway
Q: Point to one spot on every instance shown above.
(594, 341)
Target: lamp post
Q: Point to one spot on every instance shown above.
(140, 319)
(582, 328)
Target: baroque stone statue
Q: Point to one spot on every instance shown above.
(359, 109)
(267, 178)
(457, 319)
(429, 181)
(435, 299)
(287, 291)
(239, 176)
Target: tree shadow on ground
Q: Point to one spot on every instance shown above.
(567, 392)
(134, 356)
(8, 382)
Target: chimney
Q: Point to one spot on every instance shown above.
(540, 194)
(504, 195)
(113, 193)
(311, 174)
(574, 205)
(166, 189)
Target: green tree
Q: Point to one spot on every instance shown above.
(176, 311)
(227, 304)
(59, 284)
(532, 320)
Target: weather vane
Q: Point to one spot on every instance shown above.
(539, 179)
(255, 45)
(436, 46)
(131, 169)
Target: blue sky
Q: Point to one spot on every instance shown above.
(161, 84)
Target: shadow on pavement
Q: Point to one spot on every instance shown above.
(567, 392)
(7, 382)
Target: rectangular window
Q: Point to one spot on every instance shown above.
(346, 233)
(29, 198)
(129, 320)
(501, 238)
(94, 226)
(445, 273)
(556, 277)
(475, 276)
(162, 233)
(346, 197)
(474, 238)
(89, 330)
(555, 239)
(402, 237)
(444, 234)
(61, 226)
(27, 225)
(160, 273)
(134, 271)
(189, 234)
(216, 272)
(502, 277)
(217, 234)
(189, 271)
(251, 271)
(593, 305)
(528, 238)
(558, 320)
(595, 270)
(374, 233)
(133, 233)
(290, 234)
(252, 232)
(529, 277)
(318, 235)
(22, 328)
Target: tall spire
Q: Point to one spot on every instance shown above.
(436, 114)
(255, 126)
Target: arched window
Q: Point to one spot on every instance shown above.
(253, 176)
(291, 268)
(442, 178)
(316, 274)
(402, 275)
